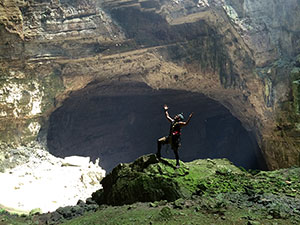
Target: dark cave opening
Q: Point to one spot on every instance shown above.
(120, 121)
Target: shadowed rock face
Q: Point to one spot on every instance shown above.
(242, 54)
(119, 122)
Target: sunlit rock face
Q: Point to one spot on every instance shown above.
(241, 54)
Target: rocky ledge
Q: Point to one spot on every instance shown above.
(148, 179)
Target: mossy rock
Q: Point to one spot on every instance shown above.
(35, 211)
(148, 179)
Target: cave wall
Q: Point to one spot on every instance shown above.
(243, 54)
(120, 121)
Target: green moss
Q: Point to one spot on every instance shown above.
(208, 54)
(295, 73)
(225, 195)
(221, 185)
(200, 211)
(295, 77)
(296, 95)
(147, 179)
(264, 182)
(288, 118)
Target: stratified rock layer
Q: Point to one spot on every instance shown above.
(242, 54)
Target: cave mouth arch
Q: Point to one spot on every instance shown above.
(120, 121)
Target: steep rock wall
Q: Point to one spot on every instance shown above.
(240, 53)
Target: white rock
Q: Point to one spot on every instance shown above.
(76, 161)
(44, 183)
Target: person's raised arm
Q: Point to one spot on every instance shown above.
(167, 114)
(188, 120)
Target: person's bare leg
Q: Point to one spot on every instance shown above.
(176, 156)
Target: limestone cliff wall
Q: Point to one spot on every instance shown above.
(240, 53)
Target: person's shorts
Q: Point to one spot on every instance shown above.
(174, 141)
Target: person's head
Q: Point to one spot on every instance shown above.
(179, 117)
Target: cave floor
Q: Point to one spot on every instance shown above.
(253, 197)
(201, 210)
(197, 211)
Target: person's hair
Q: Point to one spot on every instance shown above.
(180, 116)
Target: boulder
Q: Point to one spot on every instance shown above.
(148, 179)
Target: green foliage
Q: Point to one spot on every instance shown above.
(276, 182)
(166, 213)
(219, 210)
(35, 211)
(2, 211)
(220, 193)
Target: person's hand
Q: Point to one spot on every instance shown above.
(166, 107)
(191, 114)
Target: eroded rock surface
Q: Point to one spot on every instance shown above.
(149, 180)
(242, 54)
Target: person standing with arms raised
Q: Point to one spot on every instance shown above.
(174, 135)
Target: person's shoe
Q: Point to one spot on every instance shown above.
(177, 166)
(158, 155)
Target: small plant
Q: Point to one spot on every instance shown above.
(165, 213)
